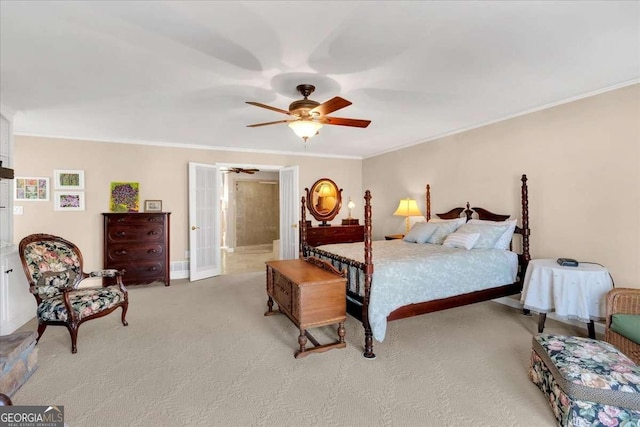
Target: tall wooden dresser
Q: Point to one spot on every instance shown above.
(139, 244)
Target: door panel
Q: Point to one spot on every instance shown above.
(289, 213)
(204, 221)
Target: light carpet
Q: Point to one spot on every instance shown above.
(203, 354)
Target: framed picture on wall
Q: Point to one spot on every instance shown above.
(153, 205)
(64, 179)
(33, 189)
(124, 197)
(68, 200)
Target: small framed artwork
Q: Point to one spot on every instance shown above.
(68, 179)
(68, 200)
(34, 189)
(153, 205)
(124, 197)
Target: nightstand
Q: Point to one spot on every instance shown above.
(393, 236)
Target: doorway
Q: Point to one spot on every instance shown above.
(210, 215)
(250, 220)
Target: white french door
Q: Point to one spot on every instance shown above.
(204, 221)
(289, 213)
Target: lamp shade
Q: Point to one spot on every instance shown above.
(305, 128)
(408, 207)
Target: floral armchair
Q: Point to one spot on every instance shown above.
(53, 267)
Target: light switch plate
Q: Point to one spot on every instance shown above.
(18, 210)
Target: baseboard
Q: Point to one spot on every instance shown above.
(511, 302)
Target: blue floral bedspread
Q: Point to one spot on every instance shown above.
(408, 273)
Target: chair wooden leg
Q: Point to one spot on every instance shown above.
(124, 313)
(41, 328)
(73, 331)
(5, 400)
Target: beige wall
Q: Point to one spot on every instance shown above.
(583, 164)
(582, 160)
(162, 173)
(257, 213)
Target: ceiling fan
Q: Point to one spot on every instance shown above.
(243, 170)
(308, 115)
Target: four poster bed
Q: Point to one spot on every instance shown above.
(413, 278)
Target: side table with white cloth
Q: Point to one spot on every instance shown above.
(572, 292)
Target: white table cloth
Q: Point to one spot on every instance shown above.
(572, 292)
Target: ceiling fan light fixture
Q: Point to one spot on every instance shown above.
(305, 129)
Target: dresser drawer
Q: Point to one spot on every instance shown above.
(117, 252)
(282, 288)
(140, 271)
(148, 233)
(317, 236)
(139, 218)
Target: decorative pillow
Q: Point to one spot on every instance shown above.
(461, 240)
(459, 221)
(442, 231)
(420, 232)
(627, 325)
(505, 240)
(489, 234)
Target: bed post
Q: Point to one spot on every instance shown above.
(303, 227)
(368, 273)
(526, 257)
(428, 202)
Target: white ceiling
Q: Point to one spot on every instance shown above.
(180, 72)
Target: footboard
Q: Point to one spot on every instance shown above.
(355, 277)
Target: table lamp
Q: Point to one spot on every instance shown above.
(350, 220)
(408, 207)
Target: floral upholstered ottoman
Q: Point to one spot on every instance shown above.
(588, 382)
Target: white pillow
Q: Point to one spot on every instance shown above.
(461, 240)
(420, 232)
(505, 240)
(489, 234)
(443, 229)
(459, 221)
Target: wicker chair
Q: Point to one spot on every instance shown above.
(622, 301)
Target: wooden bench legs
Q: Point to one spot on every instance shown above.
(318, 348)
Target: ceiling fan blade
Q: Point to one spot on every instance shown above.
(341, 121)
(269, 123)
(268, 107)
(334, 104)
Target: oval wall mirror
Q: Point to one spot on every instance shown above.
(324, 200)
